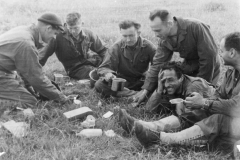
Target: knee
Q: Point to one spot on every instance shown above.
(217, 118)
(103, 88)
(99, 85)
(28, 100)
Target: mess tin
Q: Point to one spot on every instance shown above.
(180, 107)
(118, 84)
(59, 78)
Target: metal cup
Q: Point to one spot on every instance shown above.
(118, 84)
(180, 107)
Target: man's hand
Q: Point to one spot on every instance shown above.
(160, 82)
(140, 96)
(109, 76)
(67, 102)
(32, 91)
(195, 101)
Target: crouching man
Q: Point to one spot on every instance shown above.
(19, 52)
(128, 58)
(223, 107)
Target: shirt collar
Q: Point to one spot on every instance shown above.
(67, 35)
(140, 42)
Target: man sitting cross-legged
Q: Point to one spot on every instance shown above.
(173, 82)
(128, 58)
(223, 107)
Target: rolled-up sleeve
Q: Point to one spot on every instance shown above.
(27, 64)
(162, 55)
(207, 51)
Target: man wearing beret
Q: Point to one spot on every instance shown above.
(72, 48)
(194, 42)
(19, 52)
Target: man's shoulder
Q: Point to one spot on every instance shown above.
(21, 35)
(189, 23)
(88, 32)
(116, 46)
(148, 43)
(196, 81)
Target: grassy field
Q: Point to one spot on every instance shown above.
(51, 136)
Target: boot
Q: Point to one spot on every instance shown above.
(190, 136)
(126, 121)
(146, 136)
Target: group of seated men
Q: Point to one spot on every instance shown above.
(208, 113)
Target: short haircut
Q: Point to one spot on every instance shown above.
(129, 23)
(173, 66)
(163, 14)
(72, 18)
(232, 40)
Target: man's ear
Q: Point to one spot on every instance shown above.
(233, 52)
(181, 78)
(49, 27)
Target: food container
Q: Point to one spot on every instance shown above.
(118, 84)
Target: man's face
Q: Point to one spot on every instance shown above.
(75, 29)
(225, 54)
(129, 35)
(170, 81)
(160, 28)
(49, 33)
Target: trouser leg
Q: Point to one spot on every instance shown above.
(170, 123)
(81, 72)
(160, 104)
(104, 89)
(136, 86)
(12, 92)
(220, 126)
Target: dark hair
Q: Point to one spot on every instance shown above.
(129, 23)
(232, 40)
(161, 13)
(173, 66)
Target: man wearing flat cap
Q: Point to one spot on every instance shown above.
(19, 52)
(77, 48)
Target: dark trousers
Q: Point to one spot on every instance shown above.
(160, 104)
(102, 87)
(81, 72)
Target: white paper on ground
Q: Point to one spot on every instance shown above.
(238, 147)
(89, 122)
(76, 101)
(2, 153)
(99, 104)
(84, 81)
(69, 84)
(18, 129)
(110, 133)
(108, 114)
(28, 113)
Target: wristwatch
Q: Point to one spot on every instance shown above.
(206, 105)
